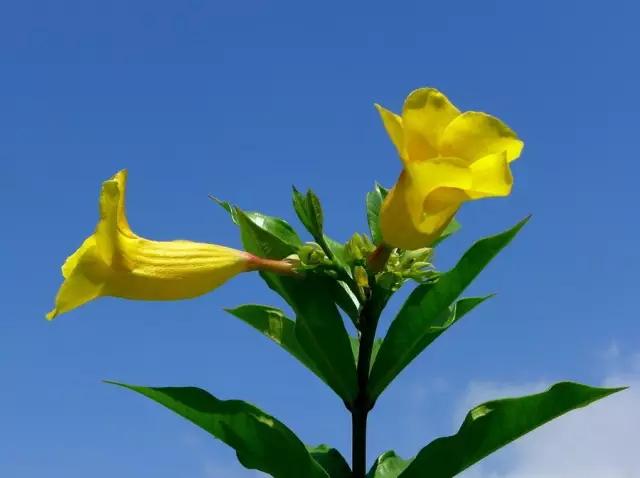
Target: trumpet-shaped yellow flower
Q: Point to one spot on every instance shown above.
(449, 157)
(116, 262)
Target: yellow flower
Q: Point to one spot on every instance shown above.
(449, 157)
(116, 262)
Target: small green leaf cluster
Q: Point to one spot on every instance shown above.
(355, 280)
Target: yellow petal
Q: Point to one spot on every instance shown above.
(491, 177)
(412, 217)
(113, 221)
(172, 270)
(474, 135)
(427, 176)
(72, 261)
(396, 224)
(393, 124)
(425, 115)
(84, 279)
(116, 262)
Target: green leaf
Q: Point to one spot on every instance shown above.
(261, 442)
(494, 424)
(355, 349)
(427, 307)
(345, 299)
(388, 465)
(416, 331)
(319, 326)
(338, 250)
(321, 331)
(331, 461)
(309, 211)
(453, 227)
(275, 325)
(278, 239)
(374, 201)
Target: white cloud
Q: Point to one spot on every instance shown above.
(599, 441)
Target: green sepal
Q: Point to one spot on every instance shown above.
(261, 442)
(492, 425)
(388, 465)
(331, 461)
(427, 307)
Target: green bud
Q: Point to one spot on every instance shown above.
(361, 276)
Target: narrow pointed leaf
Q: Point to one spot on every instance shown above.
(319, 327)
(275, 325)
(412, 330)
(261, 442)
(321, 332)
(345, 299)
(388, 465)
(374, 201)
(277, 237)
(331, 461)
(494, 424)
(309, 211)
(418, 332)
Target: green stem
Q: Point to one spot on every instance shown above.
(362, 405)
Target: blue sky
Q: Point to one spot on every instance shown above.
(243, 99)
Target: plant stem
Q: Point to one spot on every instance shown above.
(360, 409)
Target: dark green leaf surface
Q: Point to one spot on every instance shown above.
(319, 327)
(428, 304)
(261, 442)
(331, 461)
(388, 465)
(275, 325)
(492, 425)
(374, 203)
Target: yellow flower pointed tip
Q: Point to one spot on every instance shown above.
(449, 158)
(114, 261)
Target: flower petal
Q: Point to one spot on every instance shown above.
(427, 176)
(393, 124)
(425, 115)
(72, 261)
(423, 201)
(84, 281)
(172, 270)
(474, 135)
(491, 177)
(396, 223)
(113, 221)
